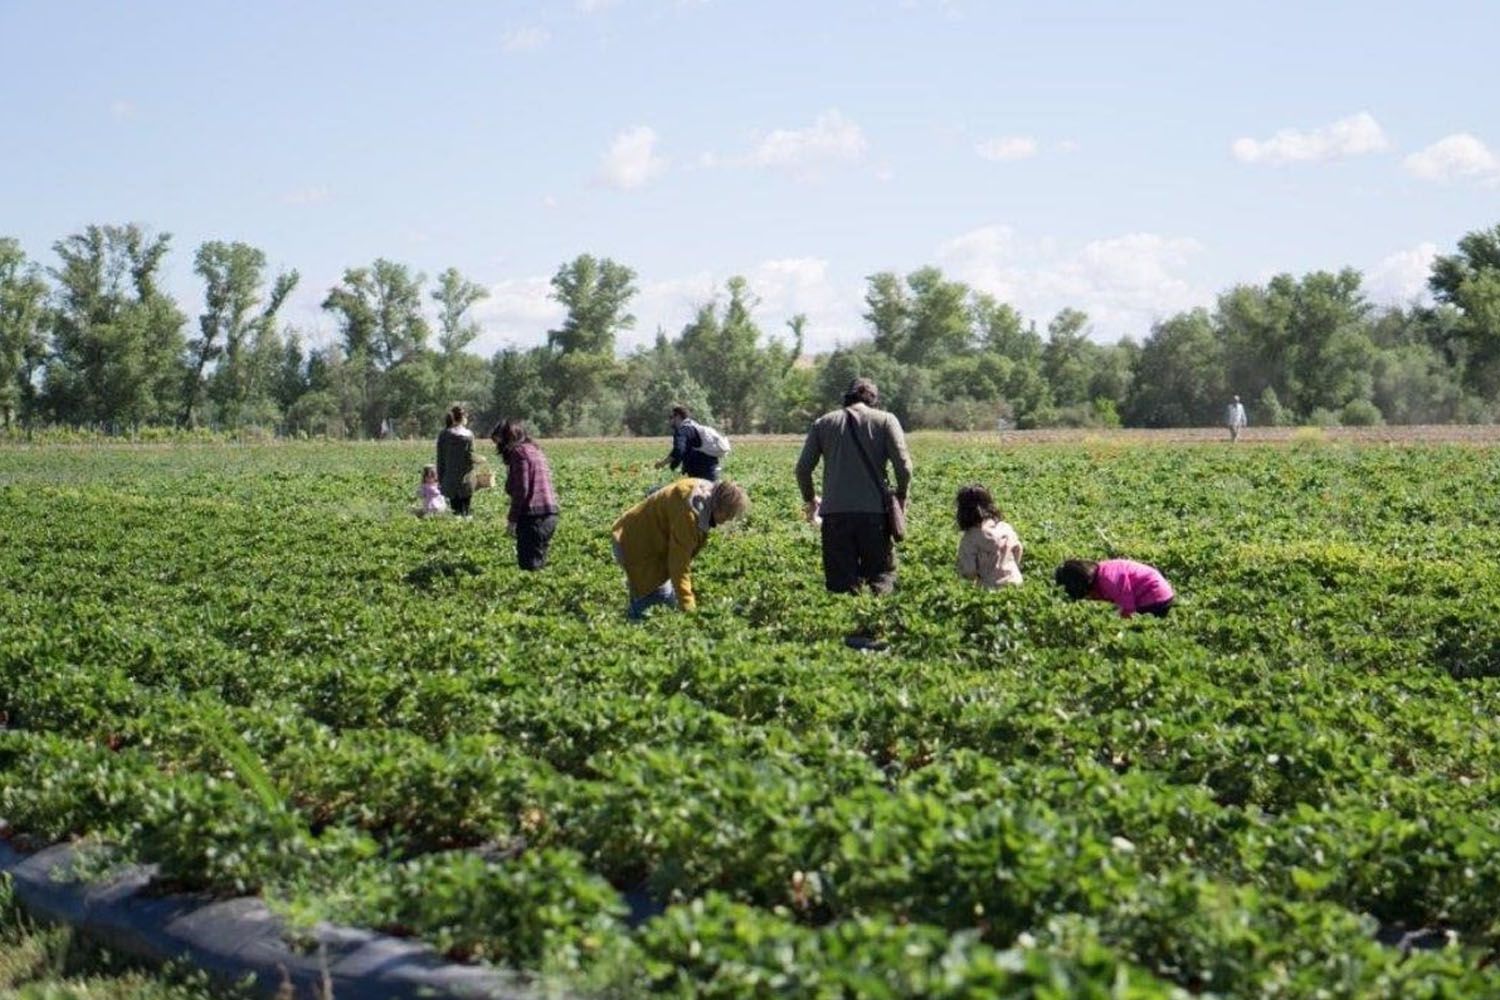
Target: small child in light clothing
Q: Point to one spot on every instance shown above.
(430, 499)
(989, 553)
(1133, 587)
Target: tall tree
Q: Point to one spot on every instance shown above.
(1179, 376)
(233, 276)
(888, 310)
(596, 293)
(1001, 329)
(1067, 360)
(117, 340)
(461, 376)
(724, 354)
(379, 311)
(1469, 281)
(940, 319)
(23, 318)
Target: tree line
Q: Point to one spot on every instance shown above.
(92, 341)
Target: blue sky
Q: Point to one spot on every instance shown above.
(1130, 159)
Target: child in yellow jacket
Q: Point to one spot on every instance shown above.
(655, 541)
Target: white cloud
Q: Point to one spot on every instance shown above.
(632, 159)
(783, 287)
(1455, 157)
(549, 201)
(1125, 283)
(524, 39)
(123, 110)
(1007, 147)
(830, 138)
(595, 6)
(315, 195)
(1402, 276)
(518, 312)
(1069, 146)
(1352, 136)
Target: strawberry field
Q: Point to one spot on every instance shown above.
(252, 667)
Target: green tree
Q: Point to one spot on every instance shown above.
(23, 319)
(904, 389)
(1001, 331)
(657, 379)
(941, 324)
(1068, 358)
(1331, 349)
(1179, 376)
(518, 387)
(1469, 282)
(230, 327)
(379, 312)
(596, 293)
(723, 352)
(888, 311)
(462, 377)
(117, 340)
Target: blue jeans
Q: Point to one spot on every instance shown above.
(637, 606)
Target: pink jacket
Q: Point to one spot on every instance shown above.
(1130, 585)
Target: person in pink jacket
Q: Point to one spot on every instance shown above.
(1133, 587)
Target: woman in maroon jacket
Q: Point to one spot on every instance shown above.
(528, 482)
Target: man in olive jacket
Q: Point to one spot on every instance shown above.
(856, 548)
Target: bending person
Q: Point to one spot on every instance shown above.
(655, 541)
(687, 445)
(532, 517)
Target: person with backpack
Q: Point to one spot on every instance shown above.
(863, 517)
(696, 448)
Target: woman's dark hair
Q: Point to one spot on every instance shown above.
(680, 411)
(508, 434)
(455, 416)
(975, 506)
(1076, 577)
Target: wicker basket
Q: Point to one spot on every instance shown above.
(484, 478)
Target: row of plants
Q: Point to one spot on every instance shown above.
(252, 669)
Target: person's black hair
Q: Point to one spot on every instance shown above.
(455, 415)
(1076, 577)
(975, 506)
(508, 435)
(680, 411)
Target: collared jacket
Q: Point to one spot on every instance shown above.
(528, 482)
(847, 485)
(455, 460)
(659, 537)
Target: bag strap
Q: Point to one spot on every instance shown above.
(880, 482)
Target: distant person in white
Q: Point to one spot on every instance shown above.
(1235, 418)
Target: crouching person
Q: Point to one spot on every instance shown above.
(655, 541)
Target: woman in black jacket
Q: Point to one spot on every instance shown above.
(455, 461)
